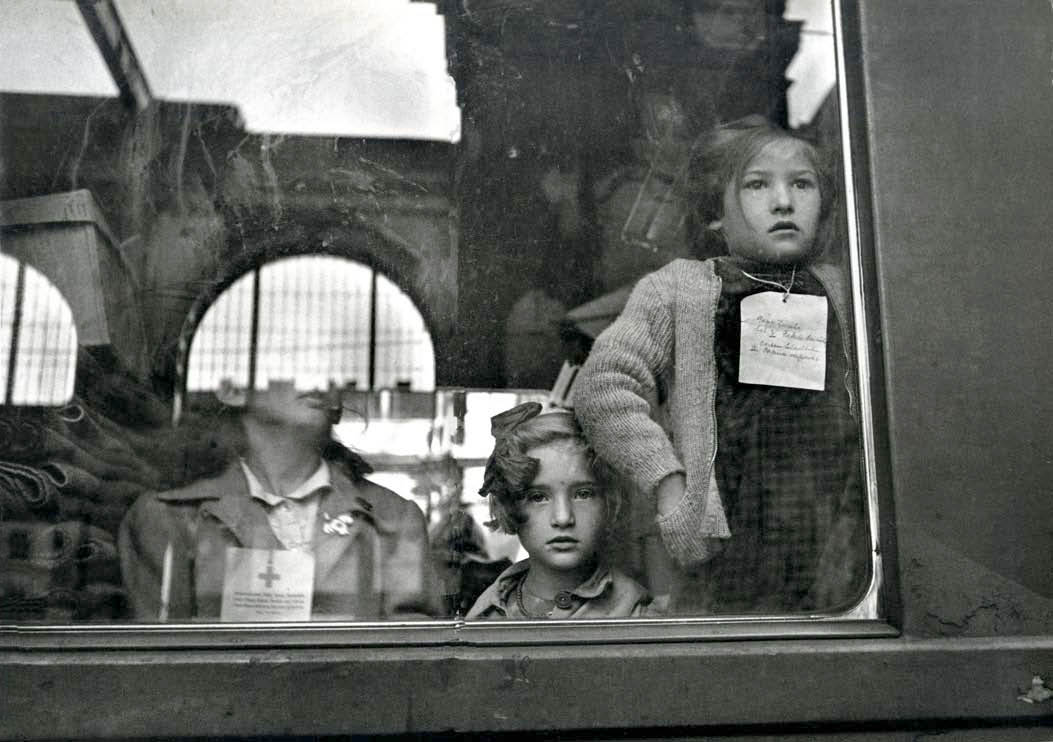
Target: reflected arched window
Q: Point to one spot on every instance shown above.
(314, 320)
(38, 339)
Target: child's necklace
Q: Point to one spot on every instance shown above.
(785, 287)
(522, 606)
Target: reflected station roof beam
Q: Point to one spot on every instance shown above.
(104, 23)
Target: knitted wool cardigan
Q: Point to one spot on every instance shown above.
(661, 348)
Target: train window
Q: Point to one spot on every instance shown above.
(548, 316)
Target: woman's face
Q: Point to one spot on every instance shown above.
(772, 213)
(564, 512)
(282, 404)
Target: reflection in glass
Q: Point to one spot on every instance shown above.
(512, 252)
(290, 528)
(38, 339)
(315, 321)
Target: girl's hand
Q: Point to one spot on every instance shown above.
(670, 492)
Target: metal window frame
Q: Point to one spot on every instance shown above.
(880, 603)
(175, 681)
(680, 674)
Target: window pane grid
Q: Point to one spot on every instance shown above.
(45, 358)
(314, 330)
(220, 349)
(404, 349)
(8, 294)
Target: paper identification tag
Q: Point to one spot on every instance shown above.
(267, 585)
(783, 343)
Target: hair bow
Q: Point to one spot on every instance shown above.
(501, 426)
(505, 422)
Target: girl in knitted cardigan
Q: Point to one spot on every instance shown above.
(725, 392)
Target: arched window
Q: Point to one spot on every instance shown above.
(38, 339)
(314, 320)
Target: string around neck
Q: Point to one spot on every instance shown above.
(785, 287)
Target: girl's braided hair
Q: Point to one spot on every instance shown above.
(510, 471)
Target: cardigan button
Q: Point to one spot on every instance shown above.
(564, 599)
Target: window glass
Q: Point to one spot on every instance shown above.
(486, 314)
(281, 322)
(38, 339)
(222, 345)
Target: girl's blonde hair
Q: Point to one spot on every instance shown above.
(510, 471)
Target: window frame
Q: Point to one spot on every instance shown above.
(656, 690)
(173, 680)
(882, 591)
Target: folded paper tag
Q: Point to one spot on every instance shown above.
(783, 340)
(267, 585)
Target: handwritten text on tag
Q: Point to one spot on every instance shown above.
(783, 343)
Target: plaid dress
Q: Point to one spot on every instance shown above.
(787, 464)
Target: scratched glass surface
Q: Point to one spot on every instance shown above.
(268, 274)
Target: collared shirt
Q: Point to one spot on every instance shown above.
(293, 516)
(608, 593)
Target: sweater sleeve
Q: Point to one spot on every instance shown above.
(620, 375)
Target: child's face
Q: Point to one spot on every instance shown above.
(564, 511)
(772, 213)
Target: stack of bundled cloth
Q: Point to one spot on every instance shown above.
(67, 477)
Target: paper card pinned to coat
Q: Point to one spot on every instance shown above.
(267, 585)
